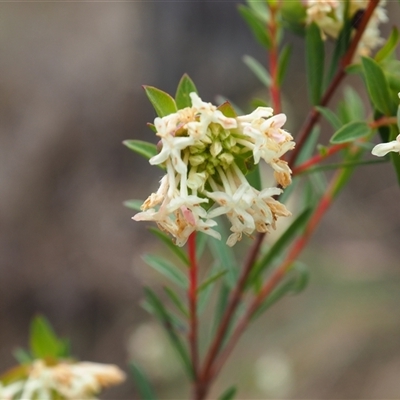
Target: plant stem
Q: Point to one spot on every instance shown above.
(214, 360)
(192, 297)
(230, 310)
(280, 272)
(314, 114)
(274, 59)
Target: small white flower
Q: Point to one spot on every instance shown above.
(328, 15)
(382, 149)
(200, 148)
(72, 381)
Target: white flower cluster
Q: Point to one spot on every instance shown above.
(202, 151)
(68, 381)
(328, 15)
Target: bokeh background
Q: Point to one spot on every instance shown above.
(70, 93)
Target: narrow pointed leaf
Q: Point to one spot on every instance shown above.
(22, 356)
(354, 104)
(165, 318)
(260, 9)
(258, 70)
(254, 177)
(228, 109)
(389, 47)
(133, 204)
(256, 24)
(350, 132)
(177, 301)
(145, 149)
(212, 279)
(185, 87)
(330, 116)
(315, 55)
(283, 62)
(225, 257)
(162, 102)
(201, 244)
(229, 394)
(170, 244)
(280, 245)
(293, 285)
(142, 383)
(341, 46)
(43, 341)
(377, 86)
(167, 269)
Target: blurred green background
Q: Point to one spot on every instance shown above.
(70, 93)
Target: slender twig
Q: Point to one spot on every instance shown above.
(383, 121)
(213, 363)
(192, 298)
(274, 59)
(278, 273)
(314, 114)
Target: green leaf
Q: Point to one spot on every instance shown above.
(222, 302)
(212, 279)
(166, 268)
(229, 394)
(330, 116)
(254, 177)
(389, 47)
(162, 102)
(260, 9)
(170, 244)
(201, 243)
(256, 24)
(258, 70)
(283, 62)
(343, 164)
(177, 301)
(293, 285)
(301, 279)
(204, 297)
(185, 87)
(315, 55)
(142, 383)
(22, 356)
(166, 320)
(225, 257)
(43, 341)
(354, 104)
(293, 15)
(280, 245)
(145, 149)
(377, 86)
(350, 132)
(228, 109)
(391, 69)
(133, 204)
(341, 46)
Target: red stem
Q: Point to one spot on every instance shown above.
(314, 114)
(276, 276)
(274, 60)
(192, 297)
(213, 364)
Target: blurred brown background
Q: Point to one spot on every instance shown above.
(70, 93)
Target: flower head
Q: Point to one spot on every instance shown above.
(328, 15)
(65, 380)
(206, 155)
